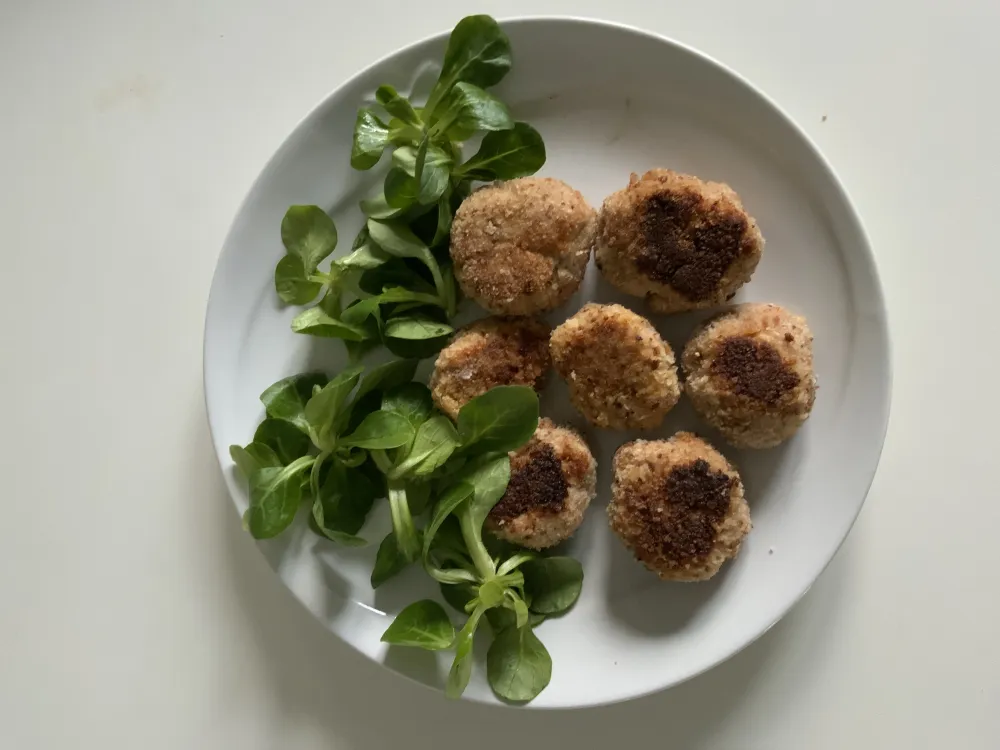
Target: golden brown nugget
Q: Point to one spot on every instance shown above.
(621, 373)
(679, 242)
(678, 505)
(522, 247)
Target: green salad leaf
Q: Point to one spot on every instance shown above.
(388, 376)
(317, 322)
(292, 281)
(347, 495)
(307, 232)
(469, 109)
(411, 401)
(364, 257)
(435, 440)
(388, 561)
(552, 584)
(506, 155)
(253, 458)
(416, 327)
(287, 398)
(323, 409)
(397, 106)
(382, 430)
(371, 136)
(275, 493)
(284, 438)
(478, 52)
(501, 419)
(423, 624)
(518, 666)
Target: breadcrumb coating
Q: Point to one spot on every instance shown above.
(621, 373)
(487, 353)
(522, 247)
(553, 479)
(749, 373)
(680, 242)
(678, 505)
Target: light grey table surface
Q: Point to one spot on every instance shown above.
(133, 610)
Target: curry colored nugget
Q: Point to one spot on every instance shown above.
(488, 353)
(522, 247)
(681, 243)
(553, 478)
(621, 373)
(678, 505)
(749, 373)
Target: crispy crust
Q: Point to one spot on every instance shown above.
(728, 398)
(621, 373)
(678, 504)
(680, 242)
(552, 520)
(487, 353)
(522, 247)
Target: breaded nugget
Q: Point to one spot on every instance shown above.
(488, 353)
(678, 505)
(749, 373)
(681, 243)
(621, 373)
(553, 478)
(522, 247)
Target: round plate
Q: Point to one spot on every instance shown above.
(650, 103)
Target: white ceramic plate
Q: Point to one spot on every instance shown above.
(608, 101)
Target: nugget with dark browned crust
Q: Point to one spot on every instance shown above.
(680, 242)
(522, 247)
(553, 478)
(749, 373)
(678, 505)
(488, 353)
(621, 373)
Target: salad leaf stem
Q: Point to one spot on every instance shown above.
(402, 521)
(314, 473)
(481, 557)
(512, 563)
(382, 461)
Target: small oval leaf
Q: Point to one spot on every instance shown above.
(423, 624)
(416, 327)
(518, 666)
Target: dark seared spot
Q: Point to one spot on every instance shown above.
(691, 259)
(536, 483)
(754, 369)
(681, 516)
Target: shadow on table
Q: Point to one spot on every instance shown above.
(323, 688)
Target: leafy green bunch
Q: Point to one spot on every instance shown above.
(336, 445)
(403, 296)
(443, 459)
(427, 168)
(514, 591)
(313, 449)
(398, 270)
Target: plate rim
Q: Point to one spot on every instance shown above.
(885, 379)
